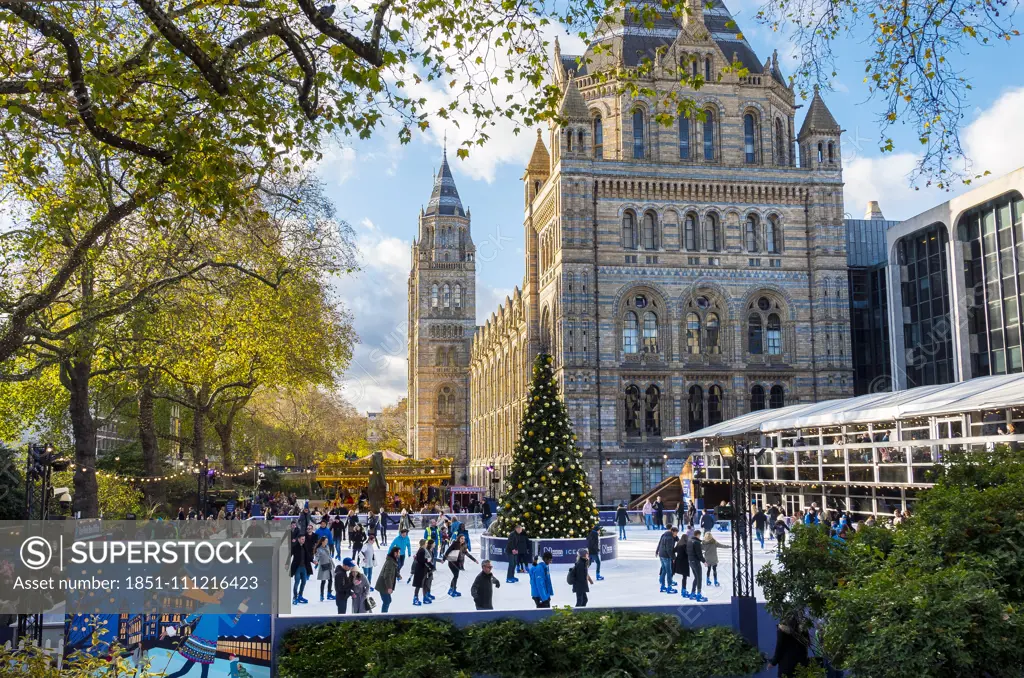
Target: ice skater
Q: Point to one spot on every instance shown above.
(664, 553)
(711, 557)
(456, 556)
(696, 556)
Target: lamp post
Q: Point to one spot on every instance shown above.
(738, 459)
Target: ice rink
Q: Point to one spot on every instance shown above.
(629, 581)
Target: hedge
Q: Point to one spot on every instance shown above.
(587, 644)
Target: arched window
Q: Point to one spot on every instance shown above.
(690, 233)
(757, 398)
(632, 410)
(446, 296)
(696, 408)
(568, 140)
(776, 398)
(684, 138)
(630, 333)
(694, 67)
(709, 135)
(638, 134)
(650, 332)
(715, 408)
(458, 296)
(821, 154)
(774, 335)
(831, 153)
(652, 411)
(545, 331)
(692, 333)
(650, 232)
(433, 296)
(711, 233)
(748, 138)
(598, 137)
(750, 234)
(755, 335)
(707, 69)
(711, 334)
(579, 141)
(772, 240)
(442, 356)
(780, 143)
(446, 402)
(629, 231)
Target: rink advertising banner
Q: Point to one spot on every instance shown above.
(140, 567)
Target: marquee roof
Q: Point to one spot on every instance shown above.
(983, 393)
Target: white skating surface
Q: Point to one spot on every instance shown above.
(629, 581)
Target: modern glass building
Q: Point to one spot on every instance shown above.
(955, 280)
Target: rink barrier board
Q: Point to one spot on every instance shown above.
(690, 616)
(563, 551)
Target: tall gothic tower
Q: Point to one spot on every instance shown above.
(442, 317)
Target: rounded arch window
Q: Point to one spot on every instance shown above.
(749, 138)
(757, 400)
(650, 332)
(755, 334)
(709, 134)
(650, 232)
(652, 411)
(457, 298)
(684, 138)
(632, 410)
(711, 241)
(433, 296)
(692, 333)
(764, 303)
(568, 140)
(690, 232)
(629, 238)
(773, 239)
(707, 69)
(715, 405)
(695, 408)
(750, 234)
(630, 333)
(777, 397)
(831, 152)
(598, 137)
(638, 134)
(711, 329)
(780, 143)
(446, 296)
(821, 153)
(774, 334)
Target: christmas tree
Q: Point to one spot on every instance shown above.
(547, 491)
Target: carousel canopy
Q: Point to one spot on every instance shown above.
(983, 393)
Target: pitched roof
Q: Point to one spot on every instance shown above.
(818, 118)
(444, 199)
(540, 160)
(573, 104)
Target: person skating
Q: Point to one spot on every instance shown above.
(388, 579)
(382, 519)
(481, 591)
(659, 514)
(581, 580)
(343, 584)
(405, 522)
(621, 518)
(681, 561)
(401, 542)
(648, 511)
(353, 520)
(298, 570)
(338, 534)
(691, 513)
(680, 514)
(696, 557)
(422, 567)
(516, 542)
(664, 553)
(711, 557)
(708, 520)
(540, 581)
(779, 530)
(594, 547)
(325, 569)
(366, 559)
(433, 533)
(486, 514)
(523, 558)
(324, 532)
(773, 515)
(456, 556)
(760, 521)
(360, 592)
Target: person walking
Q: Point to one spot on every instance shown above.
(760, 521)
(422, 567)
(696, 557)
(659, 514)
(360, 592)
(664, 553)
(581, 580)
(791, 643)
(481, 591)
(621, 518)
(516, 542)
(343, 584)
(325, 569)
(540, 581)
(711, 556)
(648, 514)
(681, 560)
(388, 579)
(298, 570)
(594, 547)
(401, 542)
(366, 559)
(456, 556)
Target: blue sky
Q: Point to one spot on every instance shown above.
(379, 185)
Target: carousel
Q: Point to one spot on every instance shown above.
(411, 483)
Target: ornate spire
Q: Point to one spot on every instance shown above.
(574, 106)
(444, 199)
(819, 118)
(540, 160)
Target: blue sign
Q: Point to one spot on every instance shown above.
(231, 506)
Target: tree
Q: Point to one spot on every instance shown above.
(392, 427)
(548, 491)
(12, 485)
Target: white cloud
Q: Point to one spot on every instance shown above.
(488, 299)
(993, 141)
(338, 164)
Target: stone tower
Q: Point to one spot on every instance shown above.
(442, 317)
